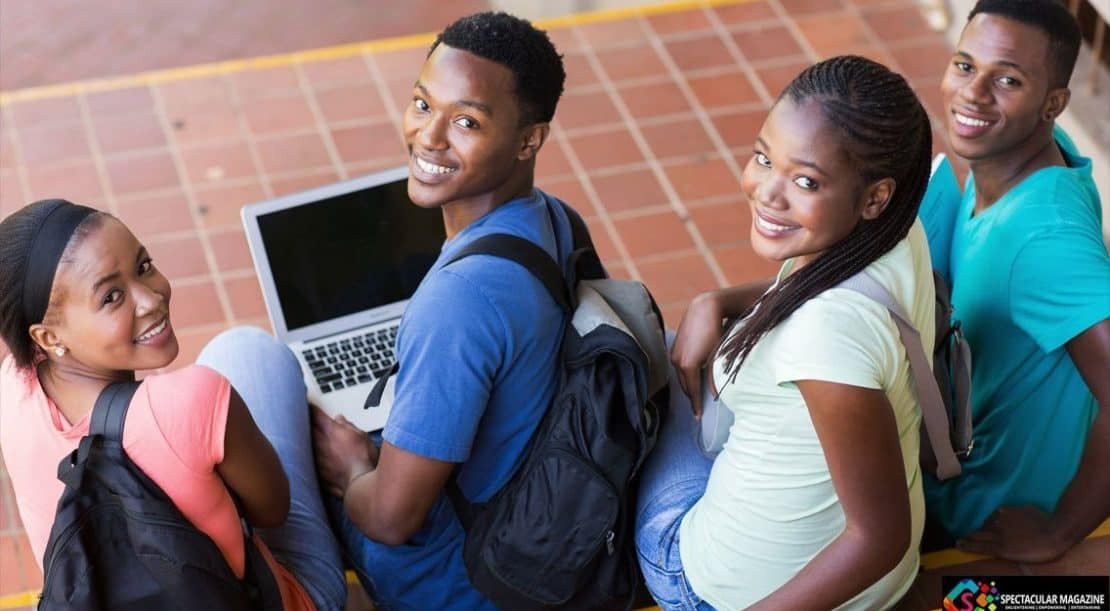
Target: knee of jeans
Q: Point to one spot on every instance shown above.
(657, 522)
(665, 588)
(251, 345)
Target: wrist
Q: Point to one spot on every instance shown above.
(710, 302)
(1062, 538)
(352, 477)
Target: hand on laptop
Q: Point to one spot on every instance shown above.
(343, 451)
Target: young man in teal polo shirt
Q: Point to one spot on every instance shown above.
(1030, 281)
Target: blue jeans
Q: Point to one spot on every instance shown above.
(673, 479)
(268, 378)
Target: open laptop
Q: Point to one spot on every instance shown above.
(337, 264)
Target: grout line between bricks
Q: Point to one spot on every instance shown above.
(17, 150)
(321, 123)
(388, 100)
(194, 204)
(106, 188)
(795, 31)
(677, 206)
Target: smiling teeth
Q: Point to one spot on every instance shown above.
(964, 120)
(769, 226)
(432, 168)
(152, 332)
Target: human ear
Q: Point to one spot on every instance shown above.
(1055, 103)
(44, 337)
(877, 197)
(532, 140)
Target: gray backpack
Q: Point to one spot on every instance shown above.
(945, 392)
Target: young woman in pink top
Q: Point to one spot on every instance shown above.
(82, 305)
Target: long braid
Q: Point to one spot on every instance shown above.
(886, 132)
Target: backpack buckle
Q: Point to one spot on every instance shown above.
(966, 452)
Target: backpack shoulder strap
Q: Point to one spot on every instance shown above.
(110, 410)
(526, 254)
(933, 412)
(522, 252)
(540, 264)
(584, 261)
(106, 422)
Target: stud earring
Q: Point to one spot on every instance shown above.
(60, 350)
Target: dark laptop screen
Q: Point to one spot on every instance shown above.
(349, 253)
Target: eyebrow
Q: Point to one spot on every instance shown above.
(482, 107)
(795, 160)
(1001, 62)
(114, 275)
(104, 280)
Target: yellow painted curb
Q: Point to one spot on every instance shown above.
(324, 53)
(22, 599)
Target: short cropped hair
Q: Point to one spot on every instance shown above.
(518, 45)
(1050, 17)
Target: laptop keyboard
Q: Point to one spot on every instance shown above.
(353, 360)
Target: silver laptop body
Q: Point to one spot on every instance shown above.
(337, 265)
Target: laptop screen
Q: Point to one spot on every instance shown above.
(349, 253)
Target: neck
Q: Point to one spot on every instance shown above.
(994, 177)
(459, 214)
(74, 389)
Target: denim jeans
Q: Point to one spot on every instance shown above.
(673, 479)
(268, 378)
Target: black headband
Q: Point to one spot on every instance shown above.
(48, 242)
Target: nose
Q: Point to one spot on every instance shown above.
(431, 133)
(768, 191)
(977, 90)
(147, 299)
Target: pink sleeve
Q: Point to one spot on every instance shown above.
(189, 407)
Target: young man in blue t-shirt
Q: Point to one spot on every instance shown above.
(1031, 286)
(479, 342)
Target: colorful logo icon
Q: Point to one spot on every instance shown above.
(972, 595)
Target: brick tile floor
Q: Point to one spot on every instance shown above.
(657, 121)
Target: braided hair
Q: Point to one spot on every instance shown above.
(885, 132)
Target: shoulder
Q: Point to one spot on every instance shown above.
(17, 387)
(194, 392)
(838, 336)
(461, 289)
(1055, 198)
(187, 381)
(188, 410)
(14, 381)
(838, 315)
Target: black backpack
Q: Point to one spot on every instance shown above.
(118, 542)
(559, 534)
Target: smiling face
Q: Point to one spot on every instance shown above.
(113, 311)
(463, 130)
(996, 91)
(804, 192)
